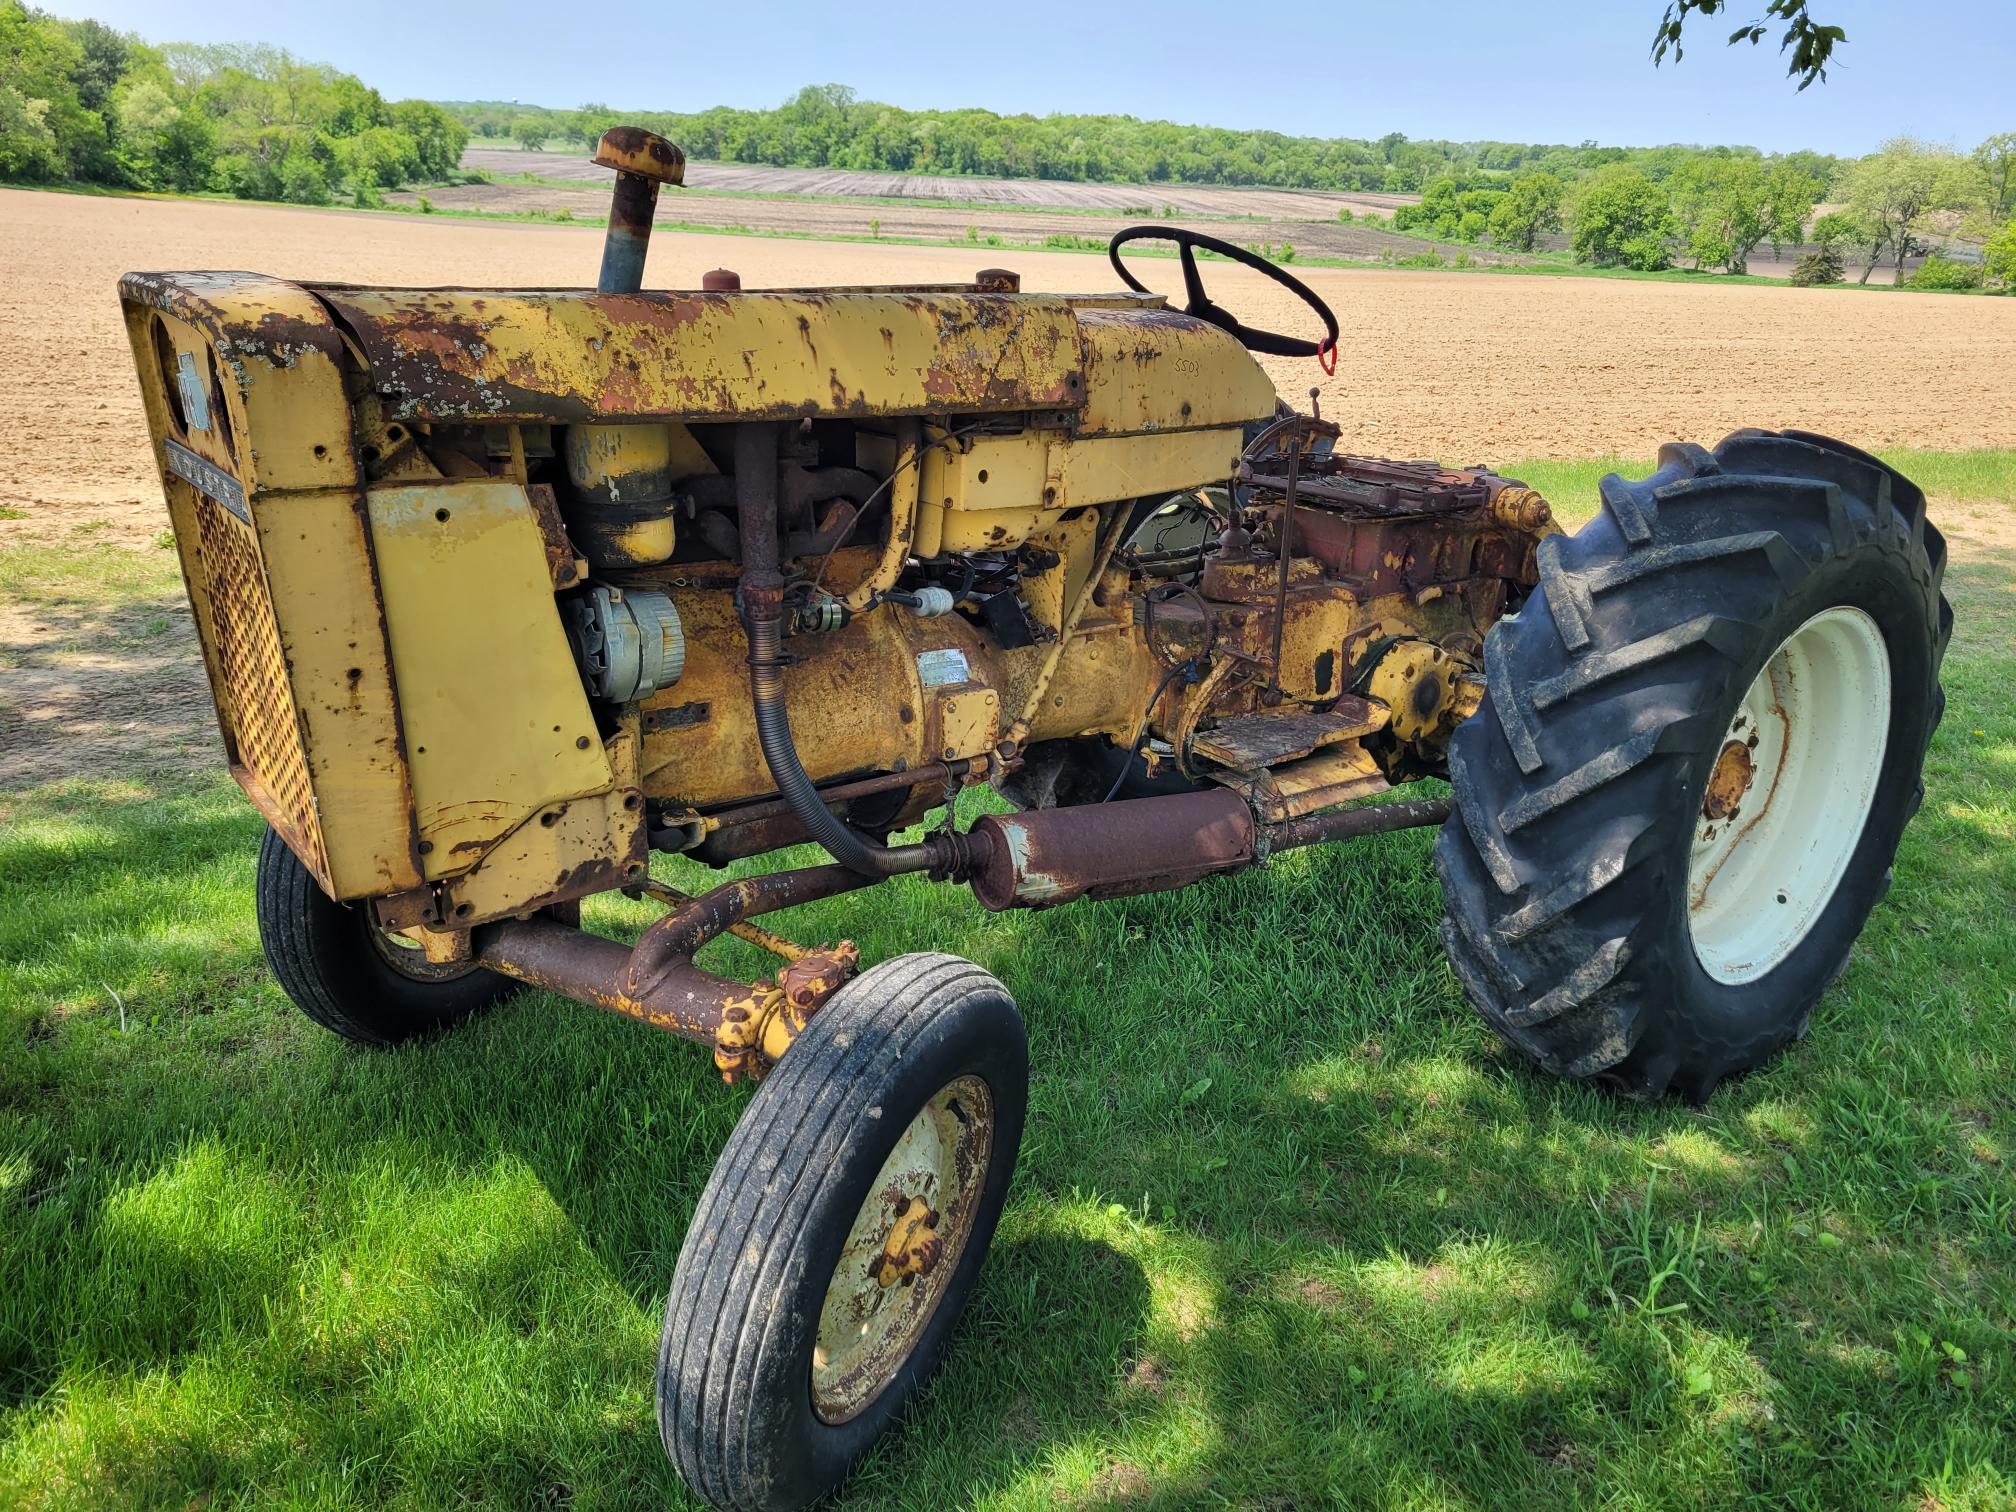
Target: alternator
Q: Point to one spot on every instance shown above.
(629, 643)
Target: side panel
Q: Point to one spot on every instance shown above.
(997, 491)
(497, 723)
(571, 849)
(278, 564)
(332, 639)
(1132, 467)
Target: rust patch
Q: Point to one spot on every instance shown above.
(815, 976)
(566, 357)
(632, 149)
(1730, 780)
(560, 556)
(914, 1247)
(677, 717)
(221, 305)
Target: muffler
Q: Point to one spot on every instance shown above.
(1107, 850)
(1144, 845)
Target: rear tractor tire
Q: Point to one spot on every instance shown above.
(840, 1234)
(348, 975)
(1702, 739)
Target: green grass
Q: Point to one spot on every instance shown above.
(1290, 1228)
(1963, 476)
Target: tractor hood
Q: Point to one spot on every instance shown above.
(1109, 363)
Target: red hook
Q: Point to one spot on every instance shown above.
(1326, 356)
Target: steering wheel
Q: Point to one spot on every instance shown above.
(1200, 305)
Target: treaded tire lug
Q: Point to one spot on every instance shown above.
(1579, 780)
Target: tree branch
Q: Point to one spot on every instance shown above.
(1809, 44)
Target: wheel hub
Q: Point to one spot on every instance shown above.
(1789, 795)
(409, 958)
(1729, 781)
(913, 1248)
(903, 1249)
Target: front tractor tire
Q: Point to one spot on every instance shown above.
(1702, 738)
(840, 1234)
(347, 974)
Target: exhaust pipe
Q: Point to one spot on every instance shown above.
(643, 160)
(1143, 845)
(1107, 850)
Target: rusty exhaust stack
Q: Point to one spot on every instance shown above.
(643, 160)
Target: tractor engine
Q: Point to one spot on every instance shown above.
(1062, 643)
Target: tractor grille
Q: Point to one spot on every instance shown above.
(256, 702)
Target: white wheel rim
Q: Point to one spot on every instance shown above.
(1791, 790)
(894, 1268)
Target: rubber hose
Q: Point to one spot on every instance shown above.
(762, 618)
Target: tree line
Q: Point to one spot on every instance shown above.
(828, 126)
(83, 103)
(1644, 208)
(1713, 208)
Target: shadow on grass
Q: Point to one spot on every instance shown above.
(92, 682)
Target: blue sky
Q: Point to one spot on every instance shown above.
(1462, 69)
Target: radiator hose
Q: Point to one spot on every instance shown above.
(756, 465)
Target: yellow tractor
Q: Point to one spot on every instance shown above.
(502, 591)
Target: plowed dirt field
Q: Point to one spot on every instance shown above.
(1467, 367)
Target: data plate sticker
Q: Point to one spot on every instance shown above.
(208, 478)
(195, 400)
(942, 668)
